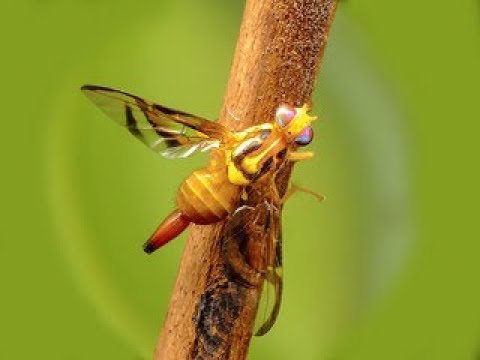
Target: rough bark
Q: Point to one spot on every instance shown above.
(276, 61)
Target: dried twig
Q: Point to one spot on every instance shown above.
(276, 60)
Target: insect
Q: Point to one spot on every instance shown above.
(240, 161)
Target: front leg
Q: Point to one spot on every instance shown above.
(299, 156)
(297, 188)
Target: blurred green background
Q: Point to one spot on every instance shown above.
(386, 268)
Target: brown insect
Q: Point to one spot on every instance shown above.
(243, 166)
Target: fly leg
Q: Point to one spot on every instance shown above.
(296, 156)
(297, 188)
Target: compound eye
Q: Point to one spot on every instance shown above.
(305, 137)
(285, 114)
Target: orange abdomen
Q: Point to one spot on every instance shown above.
(207, 196)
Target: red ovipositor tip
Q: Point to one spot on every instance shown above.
(169, 229)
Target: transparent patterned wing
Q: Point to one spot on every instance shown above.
(272, 292)
(171, 133)
(252, 248)
(183, 151)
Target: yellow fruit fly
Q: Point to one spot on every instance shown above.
(238, 161)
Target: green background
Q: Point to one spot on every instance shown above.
(386, 268)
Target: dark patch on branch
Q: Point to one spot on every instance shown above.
(218, 309)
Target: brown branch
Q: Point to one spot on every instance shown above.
(277, 57)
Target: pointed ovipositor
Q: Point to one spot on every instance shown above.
(173, 225)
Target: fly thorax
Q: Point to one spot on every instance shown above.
(254, 157)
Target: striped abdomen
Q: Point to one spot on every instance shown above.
(207, 196)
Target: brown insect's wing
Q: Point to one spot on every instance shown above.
(252, 246)
(271, 299)
(172, 133)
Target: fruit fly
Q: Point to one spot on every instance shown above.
(239, 161)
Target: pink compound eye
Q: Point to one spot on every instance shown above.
(284, 115)
(305, 137)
